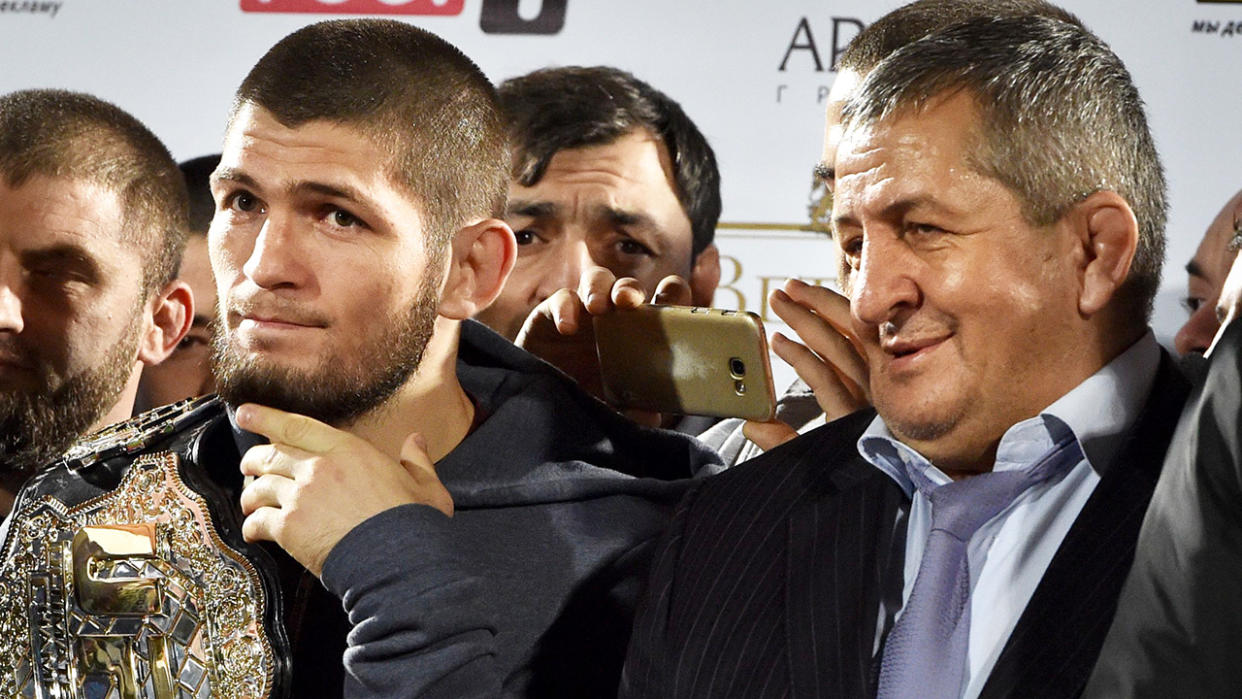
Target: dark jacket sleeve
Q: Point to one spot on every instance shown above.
(645, 671)
(1179, 622)
(419, 624)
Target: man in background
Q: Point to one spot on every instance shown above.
(1206, 275)
(606, 171)
(187, 371)
(92, 218)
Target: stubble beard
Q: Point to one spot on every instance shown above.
(37, 427)
(340, 389)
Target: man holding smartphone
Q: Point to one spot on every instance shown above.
(606, 171)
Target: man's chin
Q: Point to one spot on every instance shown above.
(332, 394)
(916, 418)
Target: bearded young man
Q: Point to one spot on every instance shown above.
(473, 522)
(92, 219)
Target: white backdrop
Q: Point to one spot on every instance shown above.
(175, 64)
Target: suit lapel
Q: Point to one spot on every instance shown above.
(1057, 639)
(840, 545)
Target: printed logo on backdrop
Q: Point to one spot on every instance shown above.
(49, 8)
(1217, 27)
(357, 7)
(497, 17)
(812, 52)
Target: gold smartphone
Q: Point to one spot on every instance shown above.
(686, 361)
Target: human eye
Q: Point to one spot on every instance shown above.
(192, 341)
(1192, 304)
(525, 236)
(62, 268)
(344, 219)
(851, 249)
(629, 246)
(242, 201)
(923, 229)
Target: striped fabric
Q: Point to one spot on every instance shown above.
(770, 580)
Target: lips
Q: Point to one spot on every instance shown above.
(907, 354)
(274, 316)
(902, 348)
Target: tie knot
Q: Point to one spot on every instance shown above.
(961, 507)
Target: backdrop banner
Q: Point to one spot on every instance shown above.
(753, 74)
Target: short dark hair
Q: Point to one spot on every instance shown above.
(197, 174)
(1060, 119)
(912, 22)
(410, 92)
(556, 109)
(56, 133)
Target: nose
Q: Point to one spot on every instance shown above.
(1196, 335)
(884, 286)
(276, 260)
(566, 269)
(10, 302)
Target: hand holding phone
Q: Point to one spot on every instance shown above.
(686, 361)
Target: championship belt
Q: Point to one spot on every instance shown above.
(132, 591)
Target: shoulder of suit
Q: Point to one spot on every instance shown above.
(807, 462)
(141, 432)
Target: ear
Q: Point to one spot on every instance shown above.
(705, 276)
(167, 316)
(1108, 232)
(482, 258)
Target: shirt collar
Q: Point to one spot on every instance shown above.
(1097, 412)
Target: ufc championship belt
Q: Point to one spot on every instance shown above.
(121, 580)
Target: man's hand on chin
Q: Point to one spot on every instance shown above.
(315, 483)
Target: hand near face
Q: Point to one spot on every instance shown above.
(560, 330)
(315, 483)
(830, 361)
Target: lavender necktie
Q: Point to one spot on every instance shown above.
(925, 654)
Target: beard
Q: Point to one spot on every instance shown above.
(37, 427)
(340, 389)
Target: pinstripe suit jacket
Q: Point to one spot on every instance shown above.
(769, 580)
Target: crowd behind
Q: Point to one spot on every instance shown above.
(367, 323)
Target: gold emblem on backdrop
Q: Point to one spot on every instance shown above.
(131, 594)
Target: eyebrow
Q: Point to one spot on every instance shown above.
(533, 209)
(901, 207)
(1194, 269)
(825, 172)
(614, 216)
(66, 254)
(332, 190)
(1235, 241)
(622, 217)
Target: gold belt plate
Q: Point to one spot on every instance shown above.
(131, 594)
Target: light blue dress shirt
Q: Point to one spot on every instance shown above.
(1008, 555)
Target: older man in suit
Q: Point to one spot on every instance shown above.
(1003, 226)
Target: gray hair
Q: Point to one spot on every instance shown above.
(1060, 119)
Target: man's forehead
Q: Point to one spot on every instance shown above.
(943, 127)
(65, 209)
(257, 146)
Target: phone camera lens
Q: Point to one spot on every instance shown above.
(737, 367)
